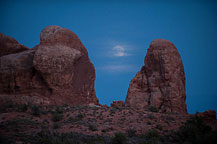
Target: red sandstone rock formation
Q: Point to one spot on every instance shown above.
(117, 104)
(161, 82)
(9, 45)
(57, 71)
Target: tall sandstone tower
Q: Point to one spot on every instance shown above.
(161, 81)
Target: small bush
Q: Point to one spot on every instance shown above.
(6, 140)
(151, 134)
(57, 117)
(104, 130)
(148, 123)
(72, 120)
(119, 138)
(7, 105)
(159, 127)
(35, 110)
(96, 140)
(153, 109)
(196, 131)
(151, 116)
(56, 126)
(23, 108)
(80, 116)
(59, 109)
(93, 127)
(131, 133)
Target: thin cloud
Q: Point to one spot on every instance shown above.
(119, 50)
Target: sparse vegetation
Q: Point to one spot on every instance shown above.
(56, 125)
(59, 109)
(4, 107)
(148, 123)
(15, 124)
(151, 116)
(159, 127)
(152, 134)
(112, 111)
(194, 131)
(92, 127)
(80, 116)
(131, 132)
(119, 138)
(153, 109)
(35, 110)
(23, 107)
(57, 117)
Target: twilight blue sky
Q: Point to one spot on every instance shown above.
(118, 33)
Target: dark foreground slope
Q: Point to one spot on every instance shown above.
(65, 124)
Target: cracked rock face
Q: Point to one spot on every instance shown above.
(161, 81)
(57, 71)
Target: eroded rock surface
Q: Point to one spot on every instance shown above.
(57, 71)
(161, 81)
(9, 45)
(117, 104)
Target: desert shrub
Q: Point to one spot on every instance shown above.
(151, 116)
(92, 127)
(57, 117)
(80, 116)
(65, 105)
(56, 126)
(104, 130)
(153, 109)
(23, 108)
(131, 133)
(35, 110)
(59, 109)
(107, 129)
(72, 120)
(195, 131)
(16, 124)
(159, 127)
(96, 140)
(148, 123)
(6, 140)
(152, 134)
(112, 111)
(47, 137)
(119, 138)
(123, 119)
(75, 119)
(7, 105)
